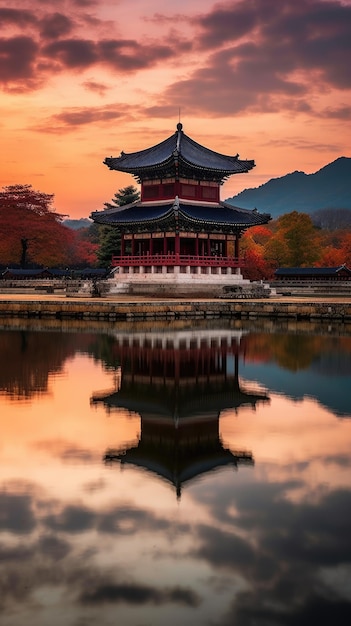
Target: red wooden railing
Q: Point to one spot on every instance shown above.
(176, 259)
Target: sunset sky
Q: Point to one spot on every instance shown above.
(84, 79)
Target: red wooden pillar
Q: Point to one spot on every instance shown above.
(236, 246)
(197, 245)
(165, 244)
(123, 246)
(208, 246)
(177, 244)
(133, 245)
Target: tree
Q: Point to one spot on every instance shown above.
(109, 236)
(276, 251)
(30, 229)
(123, 196)
(301, 239)
(255, 268)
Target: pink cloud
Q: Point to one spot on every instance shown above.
(74, 117)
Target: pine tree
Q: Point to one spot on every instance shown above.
(109, 237)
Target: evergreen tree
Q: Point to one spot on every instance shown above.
(123, 196)
(109, 237)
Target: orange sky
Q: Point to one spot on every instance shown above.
(84, 79)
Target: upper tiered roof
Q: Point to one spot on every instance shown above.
(179, 156)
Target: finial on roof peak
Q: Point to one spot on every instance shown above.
(179, 126)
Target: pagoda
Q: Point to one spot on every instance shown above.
(179, 383)
(179, 236)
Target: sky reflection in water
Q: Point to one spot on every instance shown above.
(175, 477)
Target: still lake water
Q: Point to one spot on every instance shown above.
(175, 476)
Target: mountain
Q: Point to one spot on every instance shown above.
(328, 188)
(83, 222)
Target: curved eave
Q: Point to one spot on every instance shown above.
(120, 164)
(150, 157)
(178, 150)
(133, 214)
(236, 167)
(222, 215)
(177, 165)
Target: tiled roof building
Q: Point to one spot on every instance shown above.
(180, 228)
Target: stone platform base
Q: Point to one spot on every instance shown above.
(239, 289)
(176, 283)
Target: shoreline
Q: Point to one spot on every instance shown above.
(137, 308)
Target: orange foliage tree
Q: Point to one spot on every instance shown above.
(295, 241)
(336, 248)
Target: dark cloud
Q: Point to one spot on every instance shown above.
(228, 87)
(22, 58)
(17, 17)
(52, 547)
(16, 513)
(281, 548)
(55, 25)
(266, 57)
(16, 554)
(72, 118)
(223, 549)
(72, 53)
(74, 454)
(342, 460)
(72, 519)
(129, 55)
(96, 87)
(122, 520)
(17, 59)
(338, 113)
(315, 610)
(66, 451)
(230, 22)
(129, 520)
(138, 594)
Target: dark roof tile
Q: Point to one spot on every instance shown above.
(185, 150)
(222, 214)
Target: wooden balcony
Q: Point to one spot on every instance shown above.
(176, 259)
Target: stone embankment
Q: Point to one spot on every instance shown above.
(127, 309)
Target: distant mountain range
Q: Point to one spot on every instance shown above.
(83, 222)
(329, 188)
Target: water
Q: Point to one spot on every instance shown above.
(155, 476)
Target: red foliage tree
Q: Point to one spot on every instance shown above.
(31, 231)
(256, 268)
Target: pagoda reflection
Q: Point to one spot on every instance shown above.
(179, 383)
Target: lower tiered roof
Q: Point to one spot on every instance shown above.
(181, 214)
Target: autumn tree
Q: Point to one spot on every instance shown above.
(295, 242)
(276, 250)
(256, 267)
(252, 249)
(31, 232)
(336, 248)
(109, 237)
(86, 246)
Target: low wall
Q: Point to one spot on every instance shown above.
(99, 310)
